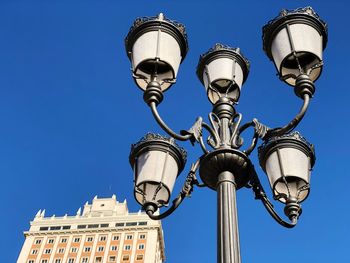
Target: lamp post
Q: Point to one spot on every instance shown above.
(156, 46)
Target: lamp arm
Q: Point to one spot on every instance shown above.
(260, 194)
(193, 134)
(186, 191)
(245, 126)
(252, 145)
(264, 132)
(165, 127)
(294, 122)
(175, 204)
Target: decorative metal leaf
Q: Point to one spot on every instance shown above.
(195, 131)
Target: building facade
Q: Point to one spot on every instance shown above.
(103, 232)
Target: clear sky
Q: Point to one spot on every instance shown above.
(69, 111)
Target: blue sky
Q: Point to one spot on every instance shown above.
(69, 111)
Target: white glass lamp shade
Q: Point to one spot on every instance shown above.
(287, 161)
(295, 41)
(222, 70)
(156, 46)
(157, 161)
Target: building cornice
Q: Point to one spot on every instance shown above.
(91, 231)
(49, 221)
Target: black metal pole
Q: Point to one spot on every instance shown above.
(228, 236)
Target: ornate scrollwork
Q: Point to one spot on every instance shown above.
(157, 137)
(260, 129)
(141, 20)
(219, 47)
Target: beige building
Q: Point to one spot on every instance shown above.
(105, 231)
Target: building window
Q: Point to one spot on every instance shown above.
(84, 260)
(66, 227)
(37, 242)
(131, 224)
(103, 238)
(64, 240)
(127, 247)
(139, 257)
(128, 237)
(50, 241)
(115, 238)
(100, 249)
(126, 258)
(104, 225)
(55, 228)
(87, 249)
(142, 223)
(47, 251)
(44, 261)
(34, 252)
(74, 250)
(60, 250)
(112, 259)
(89, 239)
(141, 246)
(142, 236)
(114, 248)
(98, 259)
(119, 224)
(30, 261)
(93, 226)
(76, 239)
(81, 226)
(43, 228)
(70, 260)
(58, 260)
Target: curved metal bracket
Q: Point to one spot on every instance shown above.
(194, 134)
(264, 132)
(165, 127)
(261, 195)
(293, 123)
(252, 145)
(176, 202)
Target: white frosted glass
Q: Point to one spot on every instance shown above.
(273, 168)
(295, 167)
(146, 51)
(225, 69)
(280, 47)
(221, 73)
(308, 45)
(295, 163)
(153, 168)
(307, 38)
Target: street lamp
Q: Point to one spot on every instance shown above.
(156, 46)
